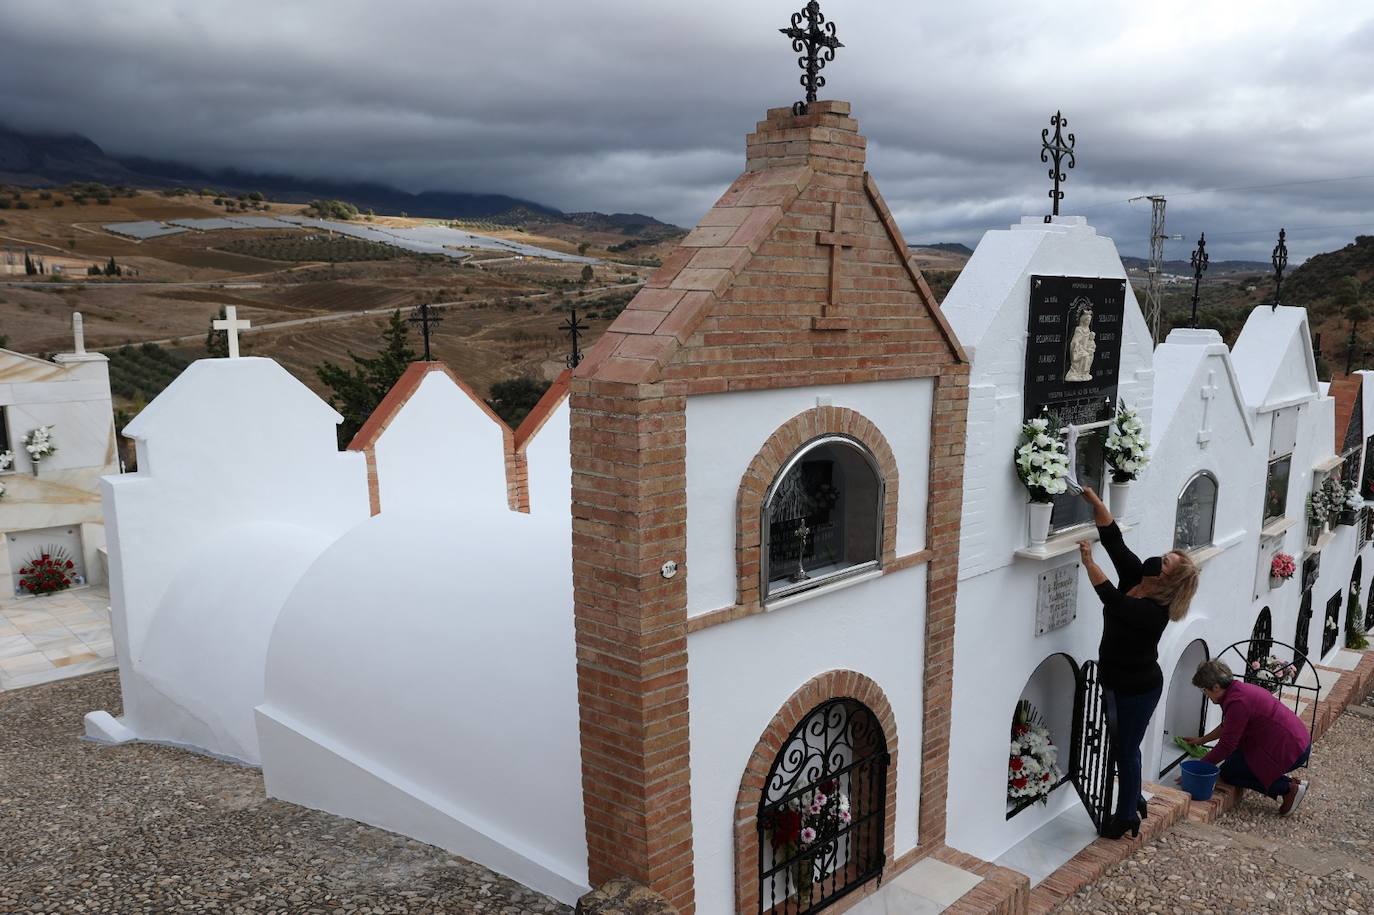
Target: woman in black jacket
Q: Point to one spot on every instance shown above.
(1146, 597)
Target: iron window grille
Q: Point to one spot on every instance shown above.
(821, 819)
(822, 519)
(1196, 512)
(1369, 611)
(1331, 626)
(5, 433)
(1303, 633)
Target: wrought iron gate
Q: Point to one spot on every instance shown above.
(821, 819)
(1092, 756)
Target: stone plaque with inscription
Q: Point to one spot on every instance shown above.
(1056, 605)
(1073, 347)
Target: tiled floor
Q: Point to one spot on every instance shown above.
(1051, 846)
(927, 887)
(54, 636)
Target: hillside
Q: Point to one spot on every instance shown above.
(46, 160)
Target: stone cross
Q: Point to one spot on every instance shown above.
(1209, 392)
(231, 326)
(78, 335)
(837, 240)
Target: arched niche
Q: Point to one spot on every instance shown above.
(1354, 616)
(1185, 706)
(1050, 691)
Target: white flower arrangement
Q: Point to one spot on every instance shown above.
(1318, 511)
(1353, 500)
(39, 443)
(1032, 769)
(1041, 460)
(1126, 446)
(6, 460)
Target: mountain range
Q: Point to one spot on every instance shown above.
(40, 160)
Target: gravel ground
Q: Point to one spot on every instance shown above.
(86, 828)
(1321, 859)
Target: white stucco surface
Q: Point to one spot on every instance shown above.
(726, 431)
(422, 675)
(447, 421)
(235, 457)
(741, 674)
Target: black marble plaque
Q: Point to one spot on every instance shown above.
(1073, 347)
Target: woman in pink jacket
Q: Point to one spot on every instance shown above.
(1261, 739)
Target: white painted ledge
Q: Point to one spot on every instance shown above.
(1064, 543)
(1328, 464)
(1277, 527)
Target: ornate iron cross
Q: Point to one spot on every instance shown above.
(426, 319)
(1280, 261)
(1199, 262)
(1058, 150)
(818, 41)
(573, 327)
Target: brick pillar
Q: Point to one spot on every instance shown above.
(629, 518)
(825, 138)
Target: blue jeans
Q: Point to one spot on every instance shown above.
(1129, 718)
(1236, 771)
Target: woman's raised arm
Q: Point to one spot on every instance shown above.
(1101, 515)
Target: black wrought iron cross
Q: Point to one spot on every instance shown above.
(1199, 262)
(1059, 150)
(573, 327)
(818, 41)
(423, 316)
(1280, 261)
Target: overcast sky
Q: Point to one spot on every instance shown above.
(642, 105)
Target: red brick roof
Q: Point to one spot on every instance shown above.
(1346, 391)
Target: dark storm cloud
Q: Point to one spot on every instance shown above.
(636, 105)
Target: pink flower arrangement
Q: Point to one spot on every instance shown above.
(1282, 566)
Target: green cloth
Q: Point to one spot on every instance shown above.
(1193, 751)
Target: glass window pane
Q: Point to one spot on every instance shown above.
(824, 516)
(1276, 489)
(1070, 510)
(1196, 514)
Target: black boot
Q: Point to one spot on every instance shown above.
(1118, 828)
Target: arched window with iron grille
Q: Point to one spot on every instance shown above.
(1331, 626)
(822, 517)
(1196, 512)
(1303, 633)
(1261, 642)
(821, 817)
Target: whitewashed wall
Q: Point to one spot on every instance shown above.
(996, 650)
(240, 486)
(72, 395)
(741, 673)
(422, 675)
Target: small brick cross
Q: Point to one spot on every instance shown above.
(837, 240)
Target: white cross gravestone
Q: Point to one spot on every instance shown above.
(1209, 393)
(231, 326)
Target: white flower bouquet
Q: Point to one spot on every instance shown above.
(1041, 460)
(39, 444)
(6, 460)
(1032, 768)
(1353, 500)
(1317, 509)
(1126, 446)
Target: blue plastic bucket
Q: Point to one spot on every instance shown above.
(1199, 778)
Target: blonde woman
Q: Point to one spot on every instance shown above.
(1148, 595)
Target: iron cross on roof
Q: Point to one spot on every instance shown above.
(573, 327)
(1280, 261)
(1058, 151)
(1199, 262)
(426, 319)
(818, 41)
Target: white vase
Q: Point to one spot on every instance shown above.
(1040, 522)
(1121, 497)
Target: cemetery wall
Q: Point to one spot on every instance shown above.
(421, 676)
(61, 502)
(996, 648)
(240, 486)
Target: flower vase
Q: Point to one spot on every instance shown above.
(1276, 581)
(1120, 498)
(1348, 517)
(1314, 533)
(1040, 522)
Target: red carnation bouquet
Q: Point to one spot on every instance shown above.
(50, 569)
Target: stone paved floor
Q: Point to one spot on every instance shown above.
(1251, 861)
(134, 829)
(54, 636)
